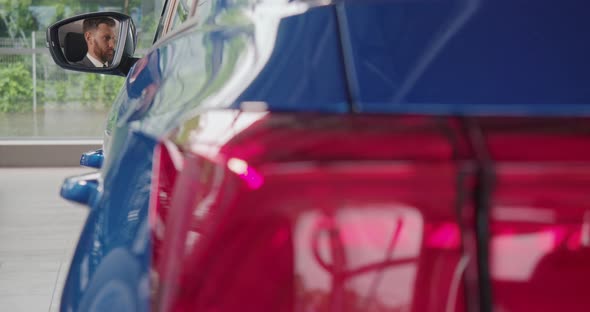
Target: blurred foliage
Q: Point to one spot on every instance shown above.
(148, 26)
(92, 91)
(61, 91)
(99, 91)
(16, 20)
(85, 91)
(16, 88)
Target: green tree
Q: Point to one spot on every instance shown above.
(99, 91)
(16, 88)
(16, 20)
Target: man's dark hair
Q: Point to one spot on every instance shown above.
(93, 22)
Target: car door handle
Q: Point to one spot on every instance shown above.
(82, 189)
(92, 159)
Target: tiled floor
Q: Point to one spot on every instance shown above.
(38, 233)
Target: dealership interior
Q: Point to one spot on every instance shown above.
(38, 229)
(48, 117)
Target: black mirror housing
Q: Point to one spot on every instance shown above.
(67, 44)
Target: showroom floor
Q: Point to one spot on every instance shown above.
(38, 233)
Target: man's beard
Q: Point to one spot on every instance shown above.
(103, 56)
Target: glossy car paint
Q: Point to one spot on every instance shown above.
(92, 159)
(159, 92)
(269, 206)
(110, 265)
(257, 96)
(306, 235)
(539, 213)
(474, 57)
(237, 63)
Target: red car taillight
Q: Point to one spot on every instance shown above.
(164, 177)
(167, 162)
(540, 213)
(320, 213)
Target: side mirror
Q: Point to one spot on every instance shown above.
(82, 189)
(92, 159)
(102, 42)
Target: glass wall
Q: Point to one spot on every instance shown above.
(38, 99)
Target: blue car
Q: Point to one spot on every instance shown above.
(393, 155)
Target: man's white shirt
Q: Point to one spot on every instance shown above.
(94, 61)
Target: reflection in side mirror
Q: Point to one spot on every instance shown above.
(96, 42)
(90, 42)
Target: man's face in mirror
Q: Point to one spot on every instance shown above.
(101, 40)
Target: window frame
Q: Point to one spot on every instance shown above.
(165, 19)
(168, 14)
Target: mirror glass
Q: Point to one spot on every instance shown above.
(91, 42)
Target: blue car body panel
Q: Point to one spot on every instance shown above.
(374, 57)
(468, 57)
(305, 70)
(235, 64)
(115, 238)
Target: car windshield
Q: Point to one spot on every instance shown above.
(471, 55)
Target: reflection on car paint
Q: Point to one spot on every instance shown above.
(264, 183)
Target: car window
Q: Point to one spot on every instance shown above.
(169, 5)
(183, 9)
